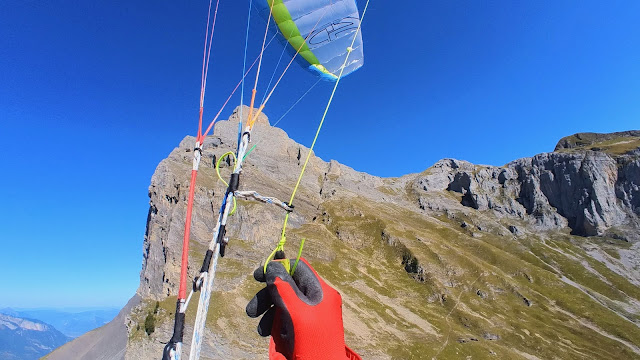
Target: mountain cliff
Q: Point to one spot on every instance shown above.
(537, 259)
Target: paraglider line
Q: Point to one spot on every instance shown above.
(283, 238)
(204, 85)
(255, 85)
(182, 291)
(253, 119)
(326, 110)
(204, 56)
(205, 61)
(232, 93)
(285, 114)
(275, 69)
(296, 103)
(244, 69)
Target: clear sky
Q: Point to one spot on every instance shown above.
(93, 94)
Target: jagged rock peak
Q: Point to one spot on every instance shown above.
(235, 116)
(588, 139)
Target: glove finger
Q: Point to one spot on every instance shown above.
(266, 323)
(258, 274)
(275, 270)
(260, 303)
(308, 283)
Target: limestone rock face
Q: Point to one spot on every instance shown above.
(271, 169)
(590, 191)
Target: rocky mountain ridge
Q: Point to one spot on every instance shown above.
(537, 259)
(26, 339)
(590, 192)
(69, 322)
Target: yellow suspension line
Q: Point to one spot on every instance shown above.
(283, 238)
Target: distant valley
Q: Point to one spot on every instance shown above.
(25, 339)
(32, 333)
(70, 323)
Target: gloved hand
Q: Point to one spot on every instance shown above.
(302, 314)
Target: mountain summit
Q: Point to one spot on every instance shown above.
(537, 259)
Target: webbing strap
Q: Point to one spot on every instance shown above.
(253, 195)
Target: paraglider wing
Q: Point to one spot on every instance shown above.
(328, 26)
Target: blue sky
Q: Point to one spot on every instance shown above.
(94, 94)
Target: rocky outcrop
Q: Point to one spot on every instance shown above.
(591, 192)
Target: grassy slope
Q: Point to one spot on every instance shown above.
(616, 146)
(439, 311)
(562, 321)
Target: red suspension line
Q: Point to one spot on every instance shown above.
(182, 292)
